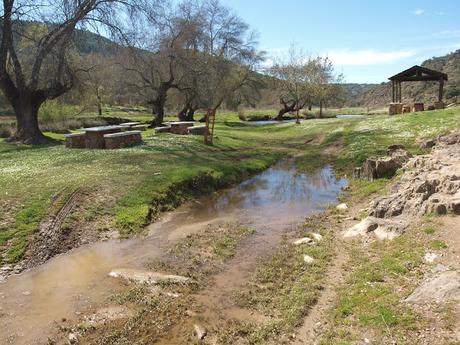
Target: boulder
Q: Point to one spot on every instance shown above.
(365, 226)
(374, 168)
(443, 287)
(427, 144)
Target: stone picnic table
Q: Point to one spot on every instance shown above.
(181, 127)
(94, 136)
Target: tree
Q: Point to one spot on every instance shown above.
(35, 60)
(96, 79)
(293, 80)
(229, 58)
(326, 84)
(163, 53)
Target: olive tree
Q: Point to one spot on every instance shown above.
(36, 40)
(293, 80)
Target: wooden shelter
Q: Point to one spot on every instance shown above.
(416, 73)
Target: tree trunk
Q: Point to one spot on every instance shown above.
(320, 109)
(27, 129)
(183, 114)
(190, 115)
(297, 117)
(284, 111)
(159, 110)
(99, 105)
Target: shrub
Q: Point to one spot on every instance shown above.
(242, 115)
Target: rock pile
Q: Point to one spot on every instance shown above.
(430, 184)
(380, 167)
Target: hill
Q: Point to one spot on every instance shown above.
(426, 92)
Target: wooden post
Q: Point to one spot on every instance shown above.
(441, 89)
(400, 92)
(393, 91)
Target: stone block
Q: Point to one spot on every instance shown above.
(123, 139)
(419, 107)
(198, 130)
(75, 140)
(165, 129)
(406, 109)
(395, 108)
(139, 127)
(439, 105)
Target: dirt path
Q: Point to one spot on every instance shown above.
(315, 322)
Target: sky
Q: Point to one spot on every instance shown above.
(368, 41)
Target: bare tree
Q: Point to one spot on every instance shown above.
(326, 83)
(293, 80)
(41, 67)
(229, 53)
(163, 53)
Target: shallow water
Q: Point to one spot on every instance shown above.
(349, 116)
(78, 282)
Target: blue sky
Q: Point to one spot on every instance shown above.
(368, 41)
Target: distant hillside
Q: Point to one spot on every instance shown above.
(426, 92)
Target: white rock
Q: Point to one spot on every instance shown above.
(316, 236)
(440, 288)
(430, 257)
(73, 339)
(147, 277)
(308, 259)
(304, 240)
(365, 226)
(367, 341)
(200, 331)
(342, 207)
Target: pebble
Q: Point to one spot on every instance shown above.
(342, 207)
(304, 240)
(72, 338)
(317, 237)
(308, 259)
(200, 331)
(430, 257)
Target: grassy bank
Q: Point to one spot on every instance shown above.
(125, 189)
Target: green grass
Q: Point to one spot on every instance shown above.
(429, 231)
(136, 184)
(369, 300)
(438, 244)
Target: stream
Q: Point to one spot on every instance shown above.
(75, 283)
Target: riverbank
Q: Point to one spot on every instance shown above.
(105, 194)
(127, 181)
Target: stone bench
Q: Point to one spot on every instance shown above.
(165, 129)
(123, 139)
(75, 140)
(139, 127)
(197, 130)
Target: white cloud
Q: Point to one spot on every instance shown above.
(367, 57)
(418, 12)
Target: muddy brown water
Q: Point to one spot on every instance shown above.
(32, 303)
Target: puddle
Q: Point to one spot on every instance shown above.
(78, 282)
(350, 116)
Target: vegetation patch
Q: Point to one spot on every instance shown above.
(283, 289)
(368, 304)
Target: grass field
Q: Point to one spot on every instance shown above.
(125, 189)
